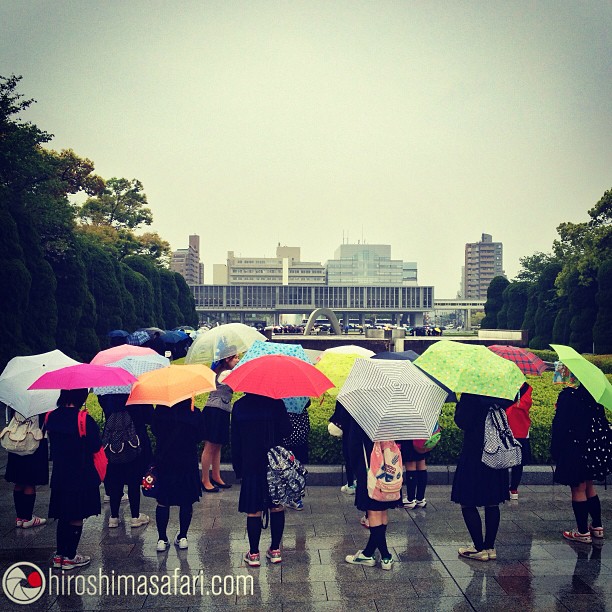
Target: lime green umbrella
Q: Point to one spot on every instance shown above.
(336, 366)
(471, 368)
(587, 373)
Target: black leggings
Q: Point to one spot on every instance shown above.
(115, 492)
(473, 522)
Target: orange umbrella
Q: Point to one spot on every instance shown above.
(168, 386)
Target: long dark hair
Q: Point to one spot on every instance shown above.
(72, 397)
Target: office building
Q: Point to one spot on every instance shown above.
(483, 262)
(369, 265)
(187, 262)
(284, 269)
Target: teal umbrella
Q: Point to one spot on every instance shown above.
(259, 349)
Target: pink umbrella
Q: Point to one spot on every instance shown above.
(119, 352)
(83, 376)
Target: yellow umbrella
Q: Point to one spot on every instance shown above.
(168, 386)
(336, 366)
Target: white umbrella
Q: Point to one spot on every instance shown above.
(135, 365)
(351, 349)
(21, 372)
(221, 342)
(392, 400)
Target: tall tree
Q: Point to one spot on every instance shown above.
(602, 330)
(547, 306)
(494, 302)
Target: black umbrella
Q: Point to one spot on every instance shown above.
(400, 355)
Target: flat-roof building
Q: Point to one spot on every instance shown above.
(187, 262)
(484, 261)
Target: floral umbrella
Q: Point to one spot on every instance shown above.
(295, 405)
(135, 365)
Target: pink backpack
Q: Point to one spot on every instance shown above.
(385, 471)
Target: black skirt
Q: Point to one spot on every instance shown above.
(29, 469)
(254, 495)
(408, 452)
(216, 425)
(476, 484)
(178, 487)
(74, 505)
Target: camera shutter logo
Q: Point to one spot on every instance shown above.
(24, 583)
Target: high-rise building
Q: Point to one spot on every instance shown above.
(369, 264)
(284, 269)
(187, 262)
(484, 261)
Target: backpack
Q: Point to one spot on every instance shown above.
(597, 447)
(21, 436)
(286, 477)
(500, 450)
(424, 446)
(385, 471)
(120, 440)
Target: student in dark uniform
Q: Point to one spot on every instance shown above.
(297, 442)
(75, 484)
(416, 475)
(258, 424)
(178, 430)
(217, 426)
(129, 473)
(27, 472)
(376, 511)
(475, 484)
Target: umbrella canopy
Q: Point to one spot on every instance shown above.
(174, 337)
(135, 365)
(350, 349)
(399, 355)
(83, 376)
(278, 376)
(295, 405)
(151, 330)
(336, 366)
(392, 400)
(138, 338)
(21, 372)
(587, 373)
(471, 368)
(118, 333)
(119, 352)
(168, 386)
(528, 363)
(221, 342)
(313, 355)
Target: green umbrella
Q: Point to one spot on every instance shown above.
(587, 373)
(471, 368)
(336, 366)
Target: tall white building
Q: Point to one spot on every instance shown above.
(484, 261)
(187, 262)
(369, 264)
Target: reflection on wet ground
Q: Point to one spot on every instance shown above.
(535, 570)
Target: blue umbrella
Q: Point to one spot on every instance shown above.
(174, 337)
(138, 338)
(295, 405)
(118, 333)
(400, 355)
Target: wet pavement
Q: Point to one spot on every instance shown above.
(536, 569)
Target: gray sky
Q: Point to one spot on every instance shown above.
(417, 124)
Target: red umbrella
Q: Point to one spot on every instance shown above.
(527, 362)
(278, 376)
(84, 376)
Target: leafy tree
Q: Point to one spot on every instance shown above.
(150, 271)
(547, 306)
(532, 266)
(494, 302)
(516, 296)
(186, 303)
(86, 338)
(602, 330)
(169, 299)
(582, 307)
(141, 291)
(561, 328)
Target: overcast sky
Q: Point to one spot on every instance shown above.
(416, 124)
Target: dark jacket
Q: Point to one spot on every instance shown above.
(72, 456)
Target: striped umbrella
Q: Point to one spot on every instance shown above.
(527, 362)
(392, 400)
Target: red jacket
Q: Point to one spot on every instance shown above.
(518, 413)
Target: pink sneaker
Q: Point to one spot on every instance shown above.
(596, 532)
(576, 536)
(252, 560)
(18, 522)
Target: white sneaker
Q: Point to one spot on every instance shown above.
(140, 520)
(35, 521)
(181, 543)
(420, 503)
(409, 504)
(386, 564)
(113, 522)
(348, 489)
(360, 559)
(162, 545)
(513, 494)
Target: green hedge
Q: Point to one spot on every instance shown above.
(604, 362)
(325, 449)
